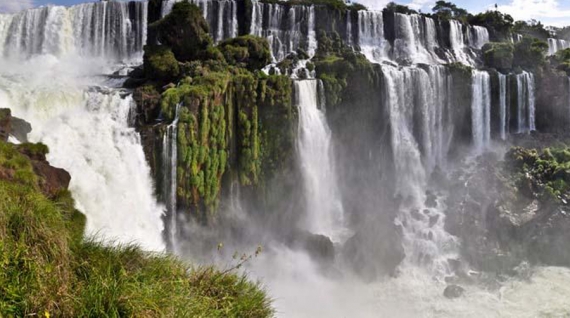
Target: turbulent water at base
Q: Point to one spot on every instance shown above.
(425, 244)
(221, 16)
(51, 74)
(325, 214)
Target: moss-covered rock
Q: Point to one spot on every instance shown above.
(160, 63)
(498, 55)
(250, 51)
(184, 30)
(530, 53)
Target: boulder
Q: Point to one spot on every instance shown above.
(453, 291)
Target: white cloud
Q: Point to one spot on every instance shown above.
(535, 9)
(419, 4)
(8, 6)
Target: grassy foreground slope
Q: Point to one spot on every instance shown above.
(48, 269)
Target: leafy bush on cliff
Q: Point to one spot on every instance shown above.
(530, 53)
(160, 63)
(561, 60)
(498, 24)
(47, 269)
(545, 173)
(250, 51)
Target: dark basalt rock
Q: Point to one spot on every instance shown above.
(319, 247)
(453, 291)
(372, 253)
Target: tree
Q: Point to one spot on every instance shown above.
(447, 10)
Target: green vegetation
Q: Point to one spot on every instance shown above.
(498, 55)
(532, 28)
(160, 63)
(49, 270)
(530, 53)
(398, 8)
(248, 51)
(447, 10)
(499, 25)
(546, 173)
(561, 61)
(184, 30)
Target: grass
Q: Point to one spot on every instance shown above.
(47, 268)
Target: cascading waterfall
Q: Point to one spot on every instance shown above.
(169, 183)
(503, 105)
(457, 41)
(88, 134)
(112, 30)
(481, 109)
(221, 16)
(416, 38)
(371, 36)
(50, 74)
(287, 28)
(478, 36)
(525, 102)
(324, 208)
(555, 45)
(424, 243)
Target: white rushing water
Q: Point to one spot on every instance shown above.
(481, 110)
(324, 208)
(371, 36)
(169, 181)
(51, 72)
(555, 45)
(503, 106)
(525, 102)
(113, 30)
(426, 243)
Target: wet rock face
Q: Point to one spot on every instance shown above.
(375, 251)
(53, 180)
(503, 217)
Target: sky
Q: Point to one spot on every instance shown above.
(550, 12)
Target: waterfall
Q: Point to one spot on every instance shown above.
(371, 36)
(88, 135)
(555, 45)
(221, 16)
(424, 244)
(478, 36)
(481, 109)
(324, 207)
(113, 30)
(169, 183)
(525, 102)
(349, 40)
(287, 28)
(503, 105)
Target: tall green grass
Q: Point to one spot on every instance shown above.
(48, 268)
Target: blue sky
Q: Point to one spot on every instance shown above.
(552, 12)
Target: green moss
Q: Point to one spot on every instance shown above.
(160, 63)
(530, 53)
(184, 30)
(498, 55)
(548, 172)
(250, 51)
